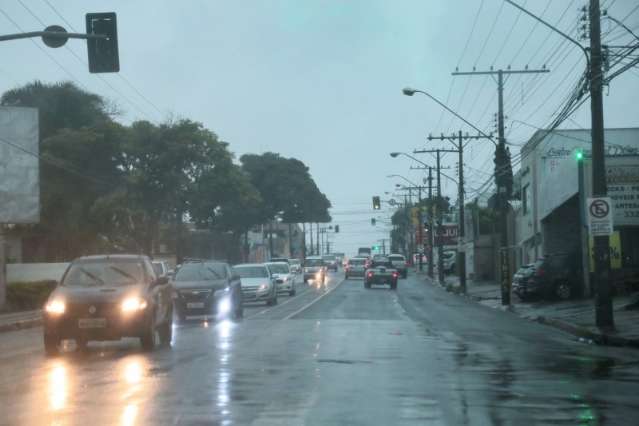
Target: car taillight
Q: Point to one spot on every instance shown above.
(395, 274)
(370, 274)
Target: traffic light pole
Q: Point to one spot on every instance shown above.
(431, 240)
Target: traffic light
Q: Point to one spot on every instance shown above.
(376, 203)
(103, 52)
(373, 221)
(579, 155)
(337, 229)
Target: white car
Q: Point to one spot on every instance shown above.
(284, 278)
(295, 265)
(258, 285)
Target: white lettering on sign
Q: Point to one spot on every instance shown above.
(600, 216)
(623, 189)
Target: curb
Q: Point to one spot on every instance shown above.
(575, 330)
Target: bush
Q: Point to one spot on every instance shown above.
(30, 294)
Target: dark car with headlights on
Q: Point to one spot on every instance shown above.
(207, 287)
(108, 297)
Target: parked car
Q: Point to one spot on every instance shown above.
(520, 278)
(295, 265)
(398, 262)
(554, 276)
(356, 267)
(108, 297)
(381, 274)
(315, 269)
(207, 287)
(284, 279)
(449, 261)
(258, 285)
(331, 262)
(279, 259)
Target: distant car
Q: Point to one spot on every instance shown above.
(284, 278)
(380, 260)
(161, 268)
(356, 267)
(279, 259)
(315, 269)
(331, 262)
(520, 279)
(398, 262)
(381, 274)
(207, 287)
(554, 276)
(295, 265)
(108, 297)
(258, 285)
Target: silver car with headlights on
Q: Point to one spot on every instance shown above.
(258, 284)
(284, 278)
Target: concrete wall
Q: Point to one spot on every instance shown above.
(35, 271)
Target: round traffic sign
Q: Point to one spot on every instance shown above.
(599, 209)
(53, 41)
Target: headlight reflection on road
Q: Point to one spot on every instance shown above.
(129, 415)
(133, 372)
(58, 387)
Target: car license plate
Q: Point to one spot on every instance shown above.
(195, 305)
(92, 323)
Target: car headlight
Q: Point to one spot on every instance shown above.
(133, 304)
(55, 307)
(263, 287)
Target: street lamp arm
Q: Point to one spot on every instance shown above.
(443, 105)
(402, 177)
(566, 36)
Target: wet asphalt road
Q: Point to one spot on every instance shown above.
(335, 355)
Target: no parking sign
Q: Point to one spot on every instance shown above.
(600, 216)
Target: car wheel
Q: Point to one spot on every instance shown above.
(404, 274)
(562, 290)
(393, 285)
(272, 301)
(292, 292)
(367, 284)
(238, 313)
(51, 345)
(147, 339)
(166, 333)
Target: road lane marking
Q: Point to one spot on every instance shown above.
(313, 301)
(281, 304)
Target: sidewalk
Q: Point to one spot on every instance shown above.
(20, 320)
(576, 317)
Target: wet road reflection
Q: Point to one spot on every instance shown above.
(354, 357)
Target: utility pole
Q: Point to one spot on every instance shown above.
(431, 239)
(502, 195)
(318, 251)
(458, 141)
(603, 301)
(310, 227)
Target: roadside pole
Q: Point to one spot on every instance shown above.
(440, 247)
(431, 239)
(3, 268)
(420, 230)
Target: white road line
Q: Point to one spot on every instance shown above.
(279, 304)
(313, 301)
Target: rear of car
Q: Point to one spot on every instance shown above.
(258, 285)
(331, 262)
(398, 262)
(314, 269)
(554, 276)
(206, 288)
(381, 275)
(295, 266)
(356, 267)
(107, 298)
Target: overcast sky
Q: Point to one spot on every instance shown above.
(321, 80)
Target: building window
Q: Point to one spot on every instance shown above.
(525, 195)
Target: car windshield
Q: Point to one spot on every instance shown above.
(109, 273)
(357, 261)
(201, 272)
(329, 258)
(279, 268)
(396, 258)
(157, 267)
(294, 262)
(314, 262)
(251, 271)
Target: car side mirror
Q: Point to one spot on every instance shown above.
(235, 277)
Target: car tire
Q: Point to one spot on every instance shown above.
(166, 333)
(563, 290)
(292, 292)
(272, 301)
(238, 313)
(393, 285)
(51, 345)
(404, 274)
(147, 339)
(367, 284)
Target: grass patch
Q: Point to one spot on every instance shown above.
(28, 295)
